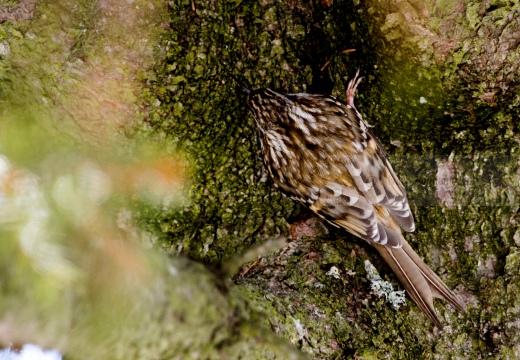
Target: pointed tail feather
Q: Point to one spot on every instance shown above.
(420, 282)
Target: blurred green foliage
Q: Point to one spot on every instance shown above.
(70, 251)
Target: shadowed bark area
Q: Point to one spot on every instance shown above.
(442, 92)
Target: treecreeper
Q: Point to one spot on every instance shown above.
(322, 153)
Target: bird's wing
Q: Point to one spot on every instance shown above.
(347, 208)
(376, 180)
(369, 167)
(367, 161)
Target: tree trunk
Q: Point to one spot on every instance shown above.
(441, 88)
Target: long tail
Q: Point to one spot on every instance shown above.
(420, 282)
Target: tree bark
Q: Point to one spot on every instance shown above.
(441, 89)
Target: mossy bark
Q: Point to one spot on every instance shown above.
(441, 90)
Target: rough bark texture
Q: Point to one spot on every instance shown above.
(442, 91)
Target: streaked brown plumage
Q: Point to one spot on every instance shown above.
(322, 153)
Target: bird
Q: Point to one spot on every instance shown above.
(322, 153)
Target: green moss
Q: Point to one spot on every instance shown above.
(9, 3)
(512, 266)
(204, 112)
